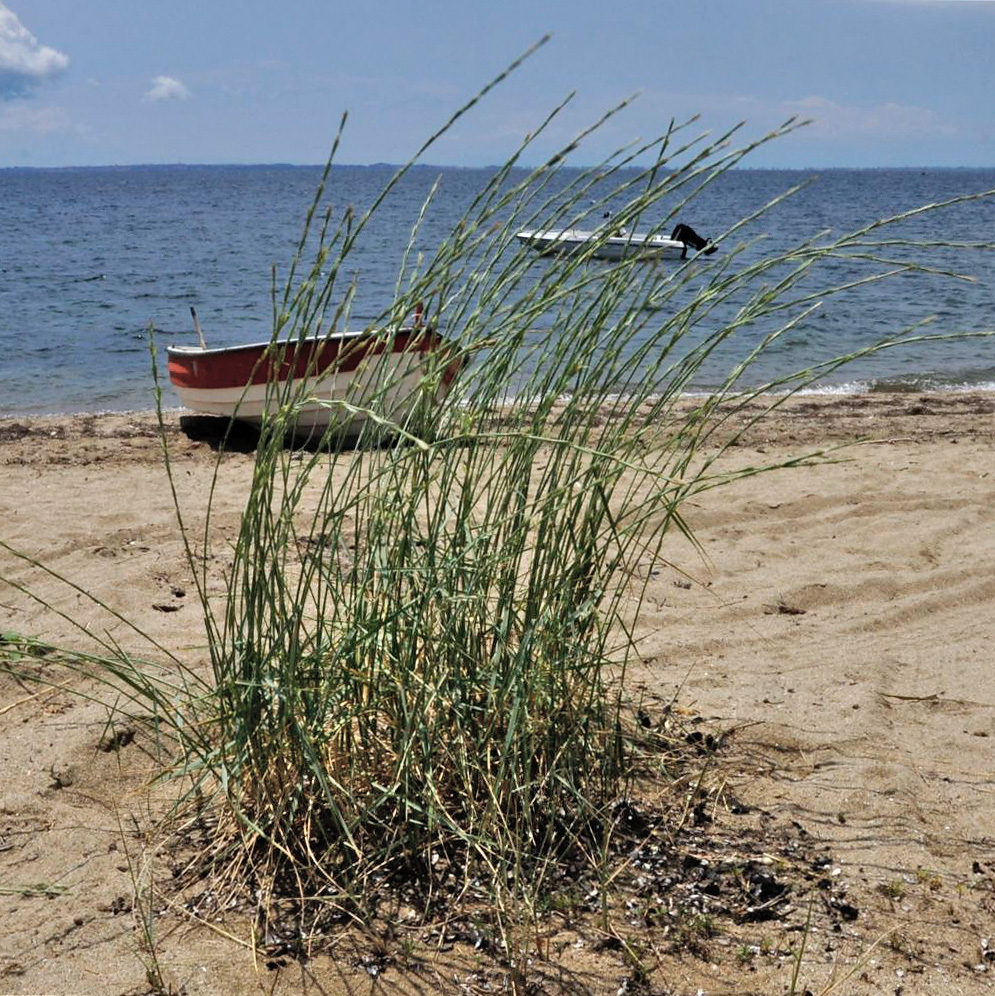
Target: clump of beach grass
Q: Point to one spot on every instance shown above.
(416, 679)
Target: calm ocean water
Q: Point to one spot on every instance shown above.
(89, 258)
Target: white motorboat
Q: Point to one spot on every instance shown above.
(616, 243)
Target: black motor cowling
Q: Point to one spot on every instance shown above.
(691, 239)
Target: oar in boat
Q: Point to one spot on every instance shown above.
(196, 327)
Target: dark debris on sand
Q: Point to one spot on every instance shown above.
(683, 878)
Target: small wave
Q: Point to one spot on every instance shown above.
(953, 380)
(920, 383)
(906, 384)
(168, 333)
(839, 390)
(187, 295)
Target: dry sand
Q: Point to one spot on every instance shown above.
(838, 637)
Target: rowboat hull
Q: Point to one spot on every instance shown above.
(336, 384)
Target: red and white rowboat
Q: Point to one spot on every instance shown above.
(336, 383)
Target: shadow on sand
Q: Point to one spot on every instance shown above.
(233, 436)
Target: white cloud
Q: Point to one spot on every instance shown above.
(167, 88)
(40, 120)
(889, 121)
(830, 121)
(24, 62)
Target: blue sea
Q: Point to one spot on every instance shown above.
(91, 258)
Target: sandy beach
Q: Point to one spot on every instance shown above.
(835, 638)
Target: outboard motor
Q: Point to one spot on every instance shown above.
(690, 238)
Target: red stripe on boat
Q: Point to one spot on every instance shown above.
(239, 366)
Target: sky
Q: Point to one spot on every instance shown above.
(121, 82)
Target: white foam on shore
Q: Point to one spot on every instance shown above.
(899, 385)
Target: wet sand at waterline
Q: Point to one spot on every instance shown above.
(835, 634)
